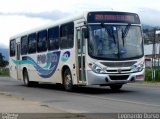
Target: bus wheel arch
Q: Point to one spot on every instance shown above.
(67, 78)
(26, 80)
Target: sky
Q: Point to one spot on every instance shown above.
(17, 16)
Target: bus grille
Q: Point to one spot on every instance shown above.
(118, 64)
(116, 71)
(120, 77)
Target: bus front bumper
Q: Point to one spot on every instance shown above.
(107, 79)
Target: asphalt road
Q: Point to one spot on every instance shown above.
(132, 97)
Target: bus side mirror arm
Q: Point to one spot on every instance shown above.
(85, 33)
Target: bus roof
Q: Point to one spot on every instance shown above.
(63, 21)
(50, 25)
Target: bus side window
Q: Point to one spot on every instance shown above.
(24, 45)
(12, 47)
(32, 43)
(79, 38)
(67, 35)
(53, 38)
(70, 34)
(42, 41)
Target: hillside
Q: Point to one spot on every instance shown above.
(148, 34)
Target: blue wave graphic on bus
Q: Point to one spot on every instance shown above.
(65, 56)
(45, 73)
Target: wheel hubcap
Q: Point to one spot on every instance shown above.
(68, 80)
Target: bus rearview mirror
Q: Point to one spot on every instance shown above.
(85, 33)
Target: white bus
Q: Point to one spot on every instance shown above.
(95, 48)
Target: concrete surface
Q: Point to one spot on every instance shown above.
(12, 104)
(12, 107)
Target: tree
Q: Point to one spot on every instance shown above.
(3, 62)
(1, 59)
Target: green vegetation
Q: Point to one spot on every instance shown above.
(4, 72)
(148, 75)
(3, 63)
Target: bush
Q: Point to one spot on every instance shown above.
(148, 75)
(158, 75)
(4, 71)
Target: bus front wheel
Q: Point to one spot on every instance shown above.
(116, 87)
(67, 80)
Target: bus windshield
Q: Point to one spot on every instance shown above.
(115, 42)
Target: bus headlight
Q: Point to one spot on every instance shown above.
(95, 68)
(139, 67)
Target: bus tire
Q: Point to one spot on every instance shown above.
(26, 80)
(116, 87)
(67, 80)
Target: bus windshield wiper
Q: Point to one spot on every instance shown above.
(125, 32)
(110, 32)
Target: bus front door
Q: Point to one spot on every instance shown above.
(18, 59)
(81, 57)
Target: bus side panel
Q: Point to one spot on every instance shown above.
(34, 72)
(56, 76)
(68, 59)
(13, 67)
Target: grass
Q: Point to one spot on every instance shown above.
(4, 72)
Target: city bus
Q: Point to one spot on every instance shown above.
(102, 48)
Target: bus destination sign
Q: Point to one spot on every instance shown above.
(102, 17)
(113, 17)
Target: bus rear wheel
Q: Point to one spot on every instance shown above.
(26, 80)
(116, 87)
(67, 80)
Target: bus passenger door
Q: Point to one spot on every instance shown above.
(81, 56)
(18, 59)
